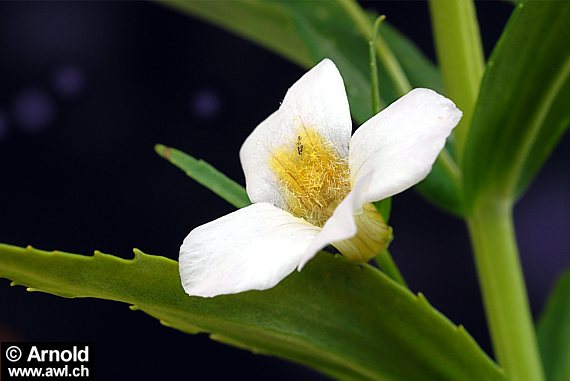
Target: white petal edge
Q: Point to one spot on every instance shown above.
(341, 224)
(318, 101)
(253, 248)
(400, 144)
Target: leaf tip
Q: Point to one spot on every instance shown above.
(134, 307)
(163, 151)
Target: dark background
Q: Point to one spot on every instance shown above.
(87, 89)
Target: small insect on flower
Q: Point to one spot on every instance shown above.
(312, 184)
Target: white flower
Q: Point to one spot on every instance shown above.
(312, 185)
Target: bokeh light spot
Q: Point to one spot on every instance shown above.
(206, 103)
(69, 81)
(33, 110)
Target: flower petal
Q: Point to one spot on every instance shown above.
(317, 101)
(400, 144)
(253, 248)
(341, 225)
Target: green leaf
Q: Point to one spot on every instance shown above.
(554, 332)
(263, 22)
(418, 68)
(443, 185)
(306, 32)
(523, 108)
(330, 33)
(206, 175)
(349, 321)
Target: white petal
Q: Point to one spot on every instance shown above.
(253, 248)
(317, 101)
(341, 225)
(400, 144)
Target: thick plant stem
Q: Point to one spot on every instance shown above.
(460, 56)
(504, 291)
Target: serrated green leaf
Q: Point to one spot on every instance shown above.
(554, 332)
(349, 321)
(206, 175)
(523, 107)
(306, 32)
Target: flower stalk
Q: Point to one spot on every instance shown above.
(386, 263)
(384, 259)
(504, 292)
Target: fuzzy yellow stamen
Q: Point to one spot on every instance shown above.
(315, 178)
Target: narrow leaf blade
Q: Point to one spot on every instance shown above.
(266, 23)
(349, 321)
(522, 109)
(554, 332)
(206, 175)
(419, 69)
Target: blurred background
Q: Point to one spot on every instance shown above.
(87, 89)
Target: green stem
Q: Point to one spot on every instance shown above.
(384, 259)
(460, 55)
(383, 206)
(388, 266)
(374, 82)
(364, 26)
(504, 291)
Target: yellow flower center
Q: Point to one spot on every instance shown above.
(315, 178)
